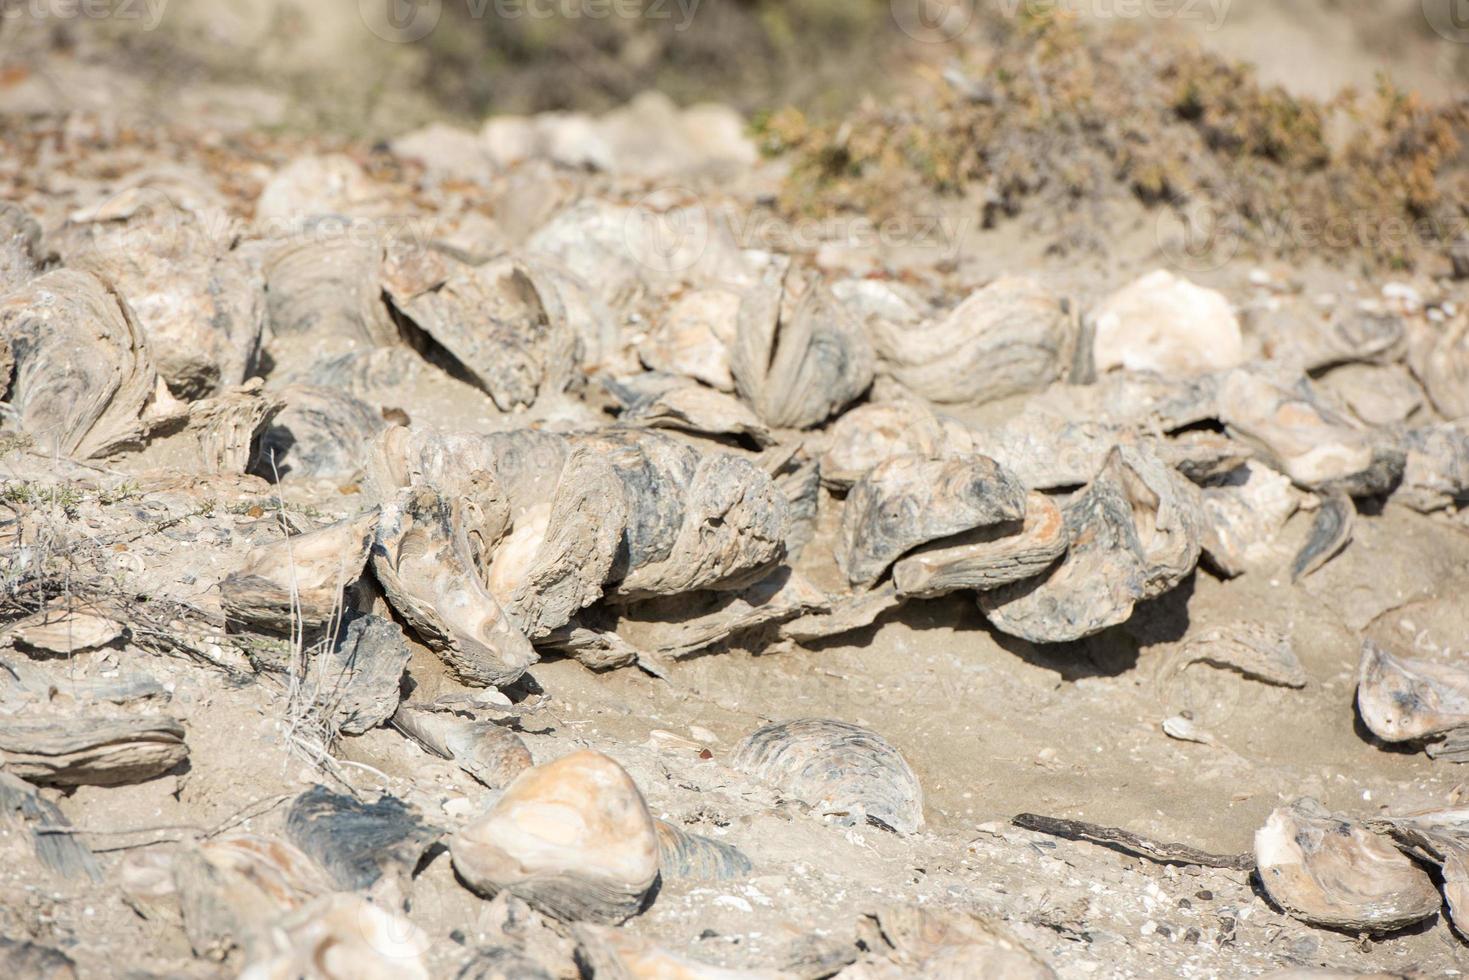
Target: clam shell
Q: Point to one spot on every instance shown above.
(297, 582)
(988, 557)
(683, 855)
(491, 754)
(1402, 700)
(356, 681)
(357, 843)
(342, 937)
(1333, 872)
(843, 770)
(1134, 535)
(799, 357)
(83, 374)
(910, 500)
(572, 837)
(1008, 338)
(320, 433)
(1168, 325)
(58, 750)
(422, 562)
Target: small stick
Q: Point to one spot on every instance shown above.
(1143, 847)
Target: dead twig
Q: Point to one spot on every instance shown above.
(1134, 844)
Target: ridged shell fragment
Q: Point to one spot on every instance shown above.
(572, 837)
(844, 771)
(59, 750)
(988, 557)
(298, 581)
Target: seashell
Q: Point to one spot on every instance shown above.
(906, 941)
(200, 305)
(988, 557)
(1377, 395)
(1331, 531)
(26, 815)
(356, 680)
(491, 754)
(677, 626)
(798, 477)
(330, 288)
(1403, 700)
(1438, 837)
(500, 963)
(58, 629)
(494, 323)
(847, 772)
(23, 683)
(320, 433)
(19, 958)
(1362, 334)
(616, 954)
(1242, 516)
(1330, 871)
(280, 871)
(297, 582)
(1298, 436)
(911, 500)
(20, 245)
(696, 409)
(1203, 457)
(84, 751)
(1008, 338)
(572, 837)
(422, 562)
(1258, 652)
(228, 426)
(375, 374)
(1134, 535)
(874, 433)
(83, 375)
(692, 338)
(694, 857)
(1436, 473)
(360, 844)
(799, 357)
(844, 613)
(341, 937)
(1168, 325)
(1441, 363)
(1047, 452)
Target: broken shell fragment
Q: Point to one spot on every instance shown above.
(1436, 473)
(1008, 338)
(683, 855)
(847, 772)
(320, 433)
(342, 937)
(1134, 535)
(57, 629)
(1257, 652)
(1243, 513)
(692, 339)
(874, 433)
(491, 754)
(572, 837)
(910, 500)
(988, 557)
(422, 561)
(799, 357)
(297, 582)
(359, 844)
(701, 411)
(83, 375)
(1166, 324)
(1329, 871)
(77, 751)
(1403, 700)
(1331, 531)
(356, 680)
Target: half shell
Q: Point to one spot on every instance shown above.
(1403, 700)
(297, 582)
(988, 557)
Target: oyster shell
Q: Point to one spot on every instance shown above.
(1442, 365)
(422, 561)
(1243, 513)
(320, 433)
(1403, 700)
(330, 288)
(27, 816)
(356, 681)
(1439, 837)
(1436, 474)
(1168, 325)
(572, 837)
(341, 937)
(491, 754)
(1255, 651)
(359, 844)
(1330, 871)
(60, 750)
(988, 557)
(845, 771)
(693, 337)
(312, 186)
(903, 941)
(699, 410)
(1134, 535)
(1331, 531)
(845, 613)
(297, 582)
(874, 433)
(799, 357)
(83, 375)
(682, 855)
(616, 954)
(228, 427)
(1008, 338)
(20, 245)
(911, 500)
